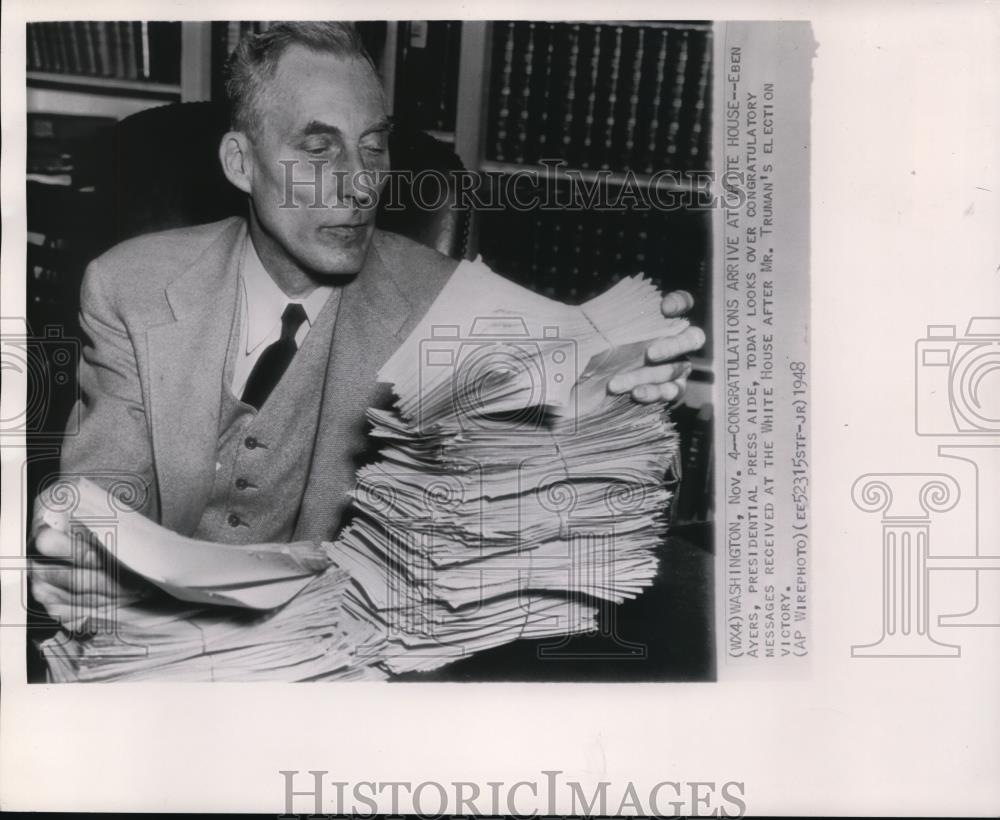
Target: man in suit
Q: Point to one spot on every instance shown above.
(228, 366)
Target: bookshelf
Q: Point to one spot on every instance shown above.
(664, 67)
(99, 68)
(615, 100)
(614, 72)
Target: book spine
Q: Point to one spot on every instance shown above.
(447, 85)
(607, 148)
(542, 94)
(413, 67)
(81, 33)
(94, 31)
(437, 88)
(126, 51)
(49, 55)
(571, 92)
(63, 46)
(503, 101)
(45, 59)
(522, 150)
(698, 142)
(627, 116)
(651, 134)
(142, 50)
(140, 34)
(517, 75)
(677, 98)
(558, 85)
(115, 68)
(67, 47)
(585, 117)
(34, 56)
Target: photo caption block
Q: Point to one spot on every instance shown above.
(763, 78)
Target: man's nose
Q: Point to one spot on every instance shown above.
(356, 182)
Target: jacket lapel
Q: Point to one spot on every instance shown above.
(371, 318)
(186, 361)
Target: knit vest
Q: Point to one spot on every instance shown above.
(263, 457)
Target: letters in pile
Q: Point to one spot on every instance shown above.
(510, 495)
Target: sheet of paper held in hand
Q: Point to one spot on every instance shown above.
(504, 558)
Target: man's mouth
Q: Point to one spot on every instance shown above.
(346, 233)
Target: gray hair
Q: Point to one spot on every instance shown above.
(255, 61)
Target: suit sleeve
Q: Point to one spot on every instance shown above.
(108, 439)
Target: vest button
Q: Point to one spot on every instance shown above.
(251, 442)
(242, 483)
(233, 520)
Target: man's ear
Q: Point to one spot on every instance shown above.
(237, 164)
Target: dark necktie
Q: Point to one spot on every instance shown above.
(274, 361)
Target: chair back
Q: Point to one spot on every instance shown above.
(166, 174)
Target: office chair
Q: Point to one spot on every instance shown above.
(166, 174)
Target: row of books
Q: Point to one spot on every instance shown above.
(571, 255)
(601, 95)
(122, 50)
(427, 74)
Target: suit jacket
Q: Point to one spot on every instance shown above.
(157, 312)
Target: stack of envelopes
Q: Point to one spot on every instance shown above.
(512, 494)
(512, 491)
(226, 612)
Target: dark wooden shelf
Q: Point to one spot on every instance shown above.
(109, 86)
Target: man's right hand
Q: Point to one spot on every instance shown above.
(75, 582)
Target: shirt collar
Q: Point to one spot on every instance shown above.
(264, 301)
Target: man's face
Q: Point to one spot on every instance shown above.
(320, 111)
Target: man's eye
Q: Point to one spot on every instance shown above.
(374, 148)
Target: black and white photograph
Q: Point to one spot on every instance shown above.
(580, 410)
(399, 332)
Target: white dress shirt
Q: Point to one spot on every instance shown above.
(261, 304)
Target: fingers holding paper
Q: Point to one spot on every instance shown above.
(73, 580)
(664, 377)
(664, 382)
(676, 303)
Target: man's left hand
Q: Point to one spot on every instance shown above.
(664, 376)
